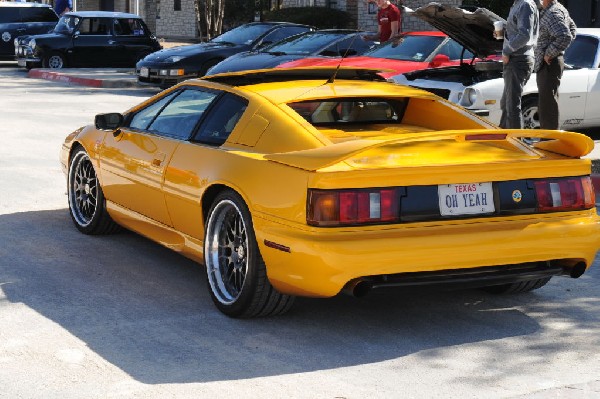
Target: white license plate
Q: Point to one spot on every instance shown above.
(144, 72)
(466, 199)
(21, 62)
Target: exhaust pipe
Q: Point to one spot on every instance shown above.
(577, 270)
(357, 288)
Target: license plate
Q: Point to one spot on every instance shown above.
(144, 72)
(21, 62)
(466, 199)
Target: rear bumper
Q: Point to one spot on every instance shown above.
(321, 262)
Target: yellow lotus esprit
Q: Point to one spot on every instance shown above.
(309, 182)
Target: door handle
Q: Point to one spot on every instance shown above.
(158, 159)
(111, 42)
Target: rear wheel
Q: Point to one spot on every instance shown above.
(54, 60)
(529, 109)
(517, 288)
(235, 270)
(86, 199)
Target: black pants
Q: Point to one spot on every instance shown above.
(548, 81)
(515, 73)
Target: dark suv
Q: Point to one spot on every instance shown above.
(18, 19)
(89, 39)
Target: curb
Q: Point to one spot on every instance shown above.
(66, 77)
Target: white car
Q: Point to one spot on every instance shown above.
(478, 86)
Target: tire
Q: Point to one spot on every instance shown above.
(87, 205)
(54, 60)
(529, 109)
(235, 270)
(519, 287)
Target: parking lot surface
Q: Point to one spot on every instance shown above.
(122, 317)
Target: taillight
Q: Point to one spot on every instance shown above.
(352, 207)
(564, 194)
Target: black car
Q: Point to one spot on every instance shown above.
(89, 39)
(326, 42)
(18, 19)
(170, 66)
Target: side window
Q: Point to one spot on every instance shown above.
(282, 33)
(38, 14)
(94, 26)
(221, 121)
(128, 27)
(9, 15)
(180, 116)
(142, 119)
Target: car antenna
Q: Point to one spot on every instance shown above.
(332, 77)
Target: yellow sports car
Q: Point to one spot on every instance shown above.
(309, 182)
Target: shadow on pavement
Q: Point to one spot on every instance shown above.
(147, 310)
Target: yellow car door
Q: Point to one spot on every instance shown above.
(134, 159)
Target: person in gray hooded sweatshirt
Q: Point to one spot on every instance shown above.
(520, 37)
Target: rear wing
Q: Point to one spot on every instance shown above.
(569, 144)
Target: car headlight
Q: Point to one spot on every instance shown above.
(174, 58)
(32, 44)
(469, 97)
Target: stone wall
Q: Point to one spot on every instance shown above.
(366, 13)
(175, 24)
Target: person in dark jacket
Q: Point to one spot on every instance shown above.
(520, 37)
(557, 31)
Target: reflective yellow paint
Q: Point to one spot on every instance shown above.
(162, 188)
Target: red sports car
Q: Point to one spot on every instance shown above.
(412, 51)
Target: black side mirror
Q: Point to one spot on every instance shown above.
(111, 121)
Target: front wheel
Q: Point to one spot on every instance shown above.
(531, 117)
(54, 60)
(86, 199)
(235, 270)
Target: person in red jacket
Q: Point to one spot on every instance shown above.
(388, 18)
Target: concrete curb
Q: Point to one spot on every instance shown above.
(115, 78)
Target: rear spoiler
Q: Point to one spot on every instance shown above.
(570, 144)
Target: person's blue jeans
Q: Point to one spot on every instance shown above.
(516, 72)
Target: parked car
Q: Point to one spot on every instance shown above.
(17, 19)
(413, 51)
(170, 66)
(310, 182)
(326, 42)
(479, 87)
(88, 39)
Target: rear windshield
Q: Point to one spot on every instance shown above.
(351, 110)
(26, 14)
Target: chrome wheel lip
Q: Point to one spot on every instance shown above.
(226, 252)
(83, 190)
(529, 120)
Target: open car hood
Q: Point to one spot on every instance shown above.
(473, 30)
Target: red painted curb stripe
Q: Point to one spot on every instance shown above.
(36, 73)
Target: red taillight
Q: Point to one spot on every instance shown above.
(564, 194)
(352, 207)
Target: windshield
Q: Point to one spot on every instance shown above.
(66, 25)
(308, 43)
(582, 52)
(244, 34)
(408, 48)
